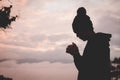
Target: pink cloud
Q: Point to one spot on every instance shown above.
(40, 71)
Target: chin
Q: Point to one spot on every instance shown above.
(83, 39)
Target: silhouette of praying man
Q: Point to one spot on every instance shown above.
(94, 64)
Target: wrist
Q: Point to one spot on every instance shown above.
(76, 54)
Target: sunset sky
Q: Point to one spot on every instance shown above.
(34, 49)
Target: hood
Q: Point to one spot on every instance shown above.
(103, 36)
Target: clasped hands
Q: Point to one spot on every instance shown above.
(72, 49)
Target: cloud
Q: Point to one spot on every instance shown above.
(39, 71)
(8, 54)
(20, 2)
(109, 23)
(3, 60)
(35, 48)
(36, 32)
(57, 55)
(105, 16)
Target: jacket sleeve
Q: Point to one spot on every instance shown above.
(78, 61)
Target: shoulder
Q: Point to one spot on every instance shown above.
(103, 36)
(102, 39)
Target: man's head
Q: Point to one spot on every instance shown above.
(81, 11)
(82, 25)
(85, 35)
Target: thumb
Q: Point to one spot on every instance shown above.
(74, 44)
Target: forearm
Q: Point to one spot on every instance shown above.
(74, 51)
(77, 60)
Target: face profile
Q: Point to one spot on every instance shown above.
(82, 25)
(82, 36)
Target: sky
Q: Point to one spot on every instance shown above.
(34, 49)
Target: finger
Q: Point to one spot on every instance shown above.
(70, 45)
(73, 43)
(67, 51)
